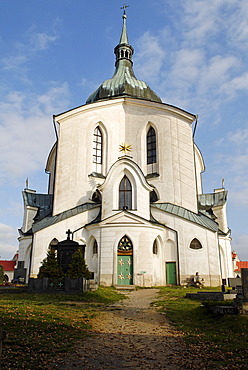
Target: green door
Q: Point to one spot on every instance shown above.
(171, 277)
(125, 270)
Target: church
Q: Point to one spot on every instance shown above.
(125, 179)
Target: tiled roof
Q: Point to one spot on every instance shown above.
(199, 218)
(241, 265)
(8, 265)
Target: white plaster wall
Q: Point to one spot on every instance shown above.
(199, 168)
(50, 168)
(125, 121)
(28, 218)
(226, 256)
(10, 275)
(221, 214)
(206, 260)
(43, 237)
(24, 243)
(142, 236)
(140, 189)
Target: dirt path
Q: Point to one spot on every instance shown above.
(131, 335)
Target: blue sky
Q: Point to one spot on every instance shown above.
(54, 54)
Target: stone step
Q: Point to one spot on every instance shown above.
(125, 287)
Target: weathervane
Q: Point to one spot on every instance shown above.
(124, 8)
(125, 148)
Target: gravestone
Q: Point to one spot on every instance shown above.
(65, 251)
(244, 280)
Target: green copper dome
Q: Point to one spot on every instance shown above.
(123, 82)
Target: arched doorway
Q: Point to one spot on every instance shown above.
(125, 261)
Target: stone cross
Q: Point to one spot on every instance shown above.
(68, 232)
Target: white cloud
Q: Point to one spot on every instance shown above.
(240, 245)
(26, 130)
(8, 241)
(41, 41)
(235, 85)
(21, 53)
(13, 62)
(232, 159)
(150, 56)
(186, 67)
(238, 24)
(201, 19)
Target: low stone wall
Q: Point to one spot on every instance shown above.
(210, 296)
(66, 285)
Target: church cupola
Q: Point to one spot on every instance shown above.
(124, 51)
(124, 82)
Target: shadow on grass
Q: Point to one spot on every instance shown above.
(41, 326)
(222, 339)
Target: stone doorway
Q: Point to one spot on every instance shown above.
(125, 262)
(171, 276)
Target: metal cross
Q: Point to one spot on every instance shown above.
(124, 7)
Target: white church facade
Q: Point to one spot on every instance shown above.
(125, 178)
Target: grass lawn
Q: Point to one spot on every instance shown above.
(41, 326)
(220, 341)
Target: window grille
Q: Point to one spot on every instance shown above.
(151, 146)
(97, 146)
(195, 244)
(125, 194)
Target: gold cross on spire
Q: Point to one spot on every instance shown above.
(124, 8)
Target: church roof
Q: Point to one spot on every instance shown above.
(197, 218)
(41, 201)
(206, 201)
(123, 82)
(48, 221)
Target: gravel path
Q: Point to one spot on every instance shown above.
(131, 335)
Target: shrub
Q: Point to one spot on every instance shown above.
(50, 267)
(78, 267)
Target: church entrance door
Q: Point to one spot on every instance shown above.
(125, 261)
(171, 277)
(125, 270)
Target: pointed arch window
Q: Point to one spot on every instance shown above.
(53, 243)
(151, 146)
(155, 247)
(97, 146)
(125, 244)
(95, 247)
(125, 194)
(195, 244)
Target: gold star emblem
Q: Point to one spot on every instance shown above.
(125, 148)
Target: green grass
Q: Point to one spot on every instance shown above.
(41, 326)
(220, 341)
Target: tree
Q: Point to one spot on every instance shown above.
(78, 267)
(50, 267)
(1, 275)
